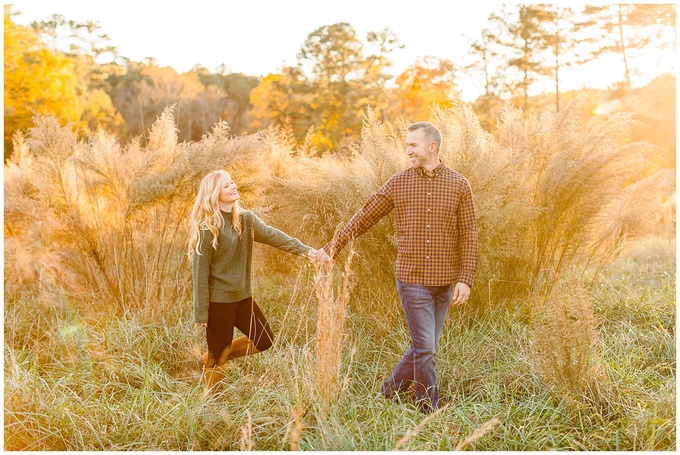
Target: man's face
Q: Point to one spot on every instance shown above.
(418, 149)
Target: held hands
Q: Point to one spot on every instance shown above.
(319, 256)
(461, 293)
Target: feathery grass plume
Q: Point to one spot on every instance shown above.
(580, 181)
(643, 207)
(571, 170)
(478, 433)
(330, 327)
(247, 434)
(294, 429)
(314, 197)
(564, 333)
(308, 148)
(103, 220)
(382, 148)
(163, 135)
(282, 145)
(40, 192)
(411, 433)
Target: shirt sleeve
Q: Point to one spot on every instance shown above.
(467, 236)
(375, 208)
(276, 238)
(201, 276)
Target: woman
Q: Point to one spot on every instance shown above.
(221, 246)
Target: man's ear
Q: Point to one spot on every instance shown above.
(433, 147)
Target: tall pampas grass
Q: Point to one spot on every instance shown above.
(92, 217)
(330, 327)
(247, 434)
(564, 338)
(294, 429)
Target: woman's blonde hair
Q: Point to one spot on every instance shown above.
(206, 213)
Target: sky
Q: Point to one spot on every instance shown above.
(257, 37)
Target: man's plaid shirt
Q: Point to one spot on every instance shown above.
(436, 227)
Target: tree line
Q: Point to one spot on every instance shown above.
(53, 66)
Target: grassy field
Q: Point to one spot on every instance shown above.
(88, 378)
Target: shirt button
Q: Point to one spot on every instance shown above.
(429, 194)
(427, 257)
(427, 241)
(428, 210)
(428, 225)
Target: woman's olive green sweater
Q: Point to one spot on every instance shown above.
(224, 274)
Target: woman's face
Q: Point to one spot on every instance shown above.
(228, 192)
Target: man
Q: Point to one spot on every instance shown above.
(436, 248)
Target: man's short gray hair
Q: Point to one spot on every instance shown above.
(432, 134)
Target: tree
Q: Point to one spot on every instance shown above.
(283, 99)
(523, 33)
(235, 89)
(327, 92)
(146, 90)
(37, 80)
(86, 46)
(332, 57)
(376, 65)
(75, 38)
(331, 54)
(429, 81)
(486, 65)
(561, 43)
(627, 30)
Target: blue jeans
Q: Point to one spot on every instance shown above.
(425, 308)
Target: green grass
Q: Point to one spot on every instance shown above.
(81, 377)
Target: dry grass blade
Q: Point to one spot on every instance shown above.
(247, 433)
(478, 433)
(410, 434)
(294, 430)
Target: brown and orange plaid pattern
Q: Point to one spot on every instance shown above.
(436, 227)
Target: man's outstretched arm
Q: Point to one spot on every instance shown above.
(377, 206)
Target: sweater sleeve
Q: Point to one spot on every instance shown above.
(201, 275)
(278, 239)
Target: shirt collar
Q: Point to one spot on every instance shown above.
(435, 172)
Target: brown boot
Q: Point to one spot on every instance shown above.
(202, 360)
(212, 375)
(222, 360)
(242, 346)
(212, 380)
